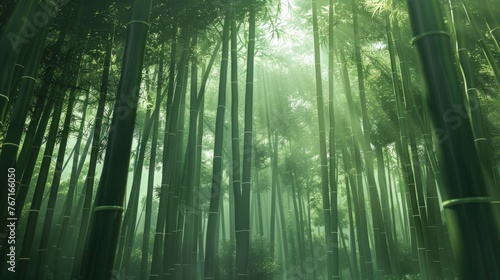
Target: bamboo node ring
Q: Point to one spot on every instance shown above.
(108, 207)
(29, 77)
(466, 200)
(5, 96)
(430, 33)
(53, 3)
(138, 21)
(11, 144)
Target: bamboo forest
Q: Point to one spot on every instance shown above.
(250, 139)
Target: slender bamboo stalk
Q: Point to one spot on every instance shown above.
(211, 239)
(94, 153)
(356, 134)
(243, 236)
(482, 142)
(167, 146)
(235, 194)
(188, 266)
(330, 244)
(468, 208)
(44, 254)
(331, 141)
(61, 228)
(102, 239)
(39, 189)
(14, 36)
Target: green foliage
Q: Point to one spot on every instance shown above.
(226, 261)
(260, 267)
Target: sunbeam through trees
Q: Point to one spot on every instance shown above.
(249, 139)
